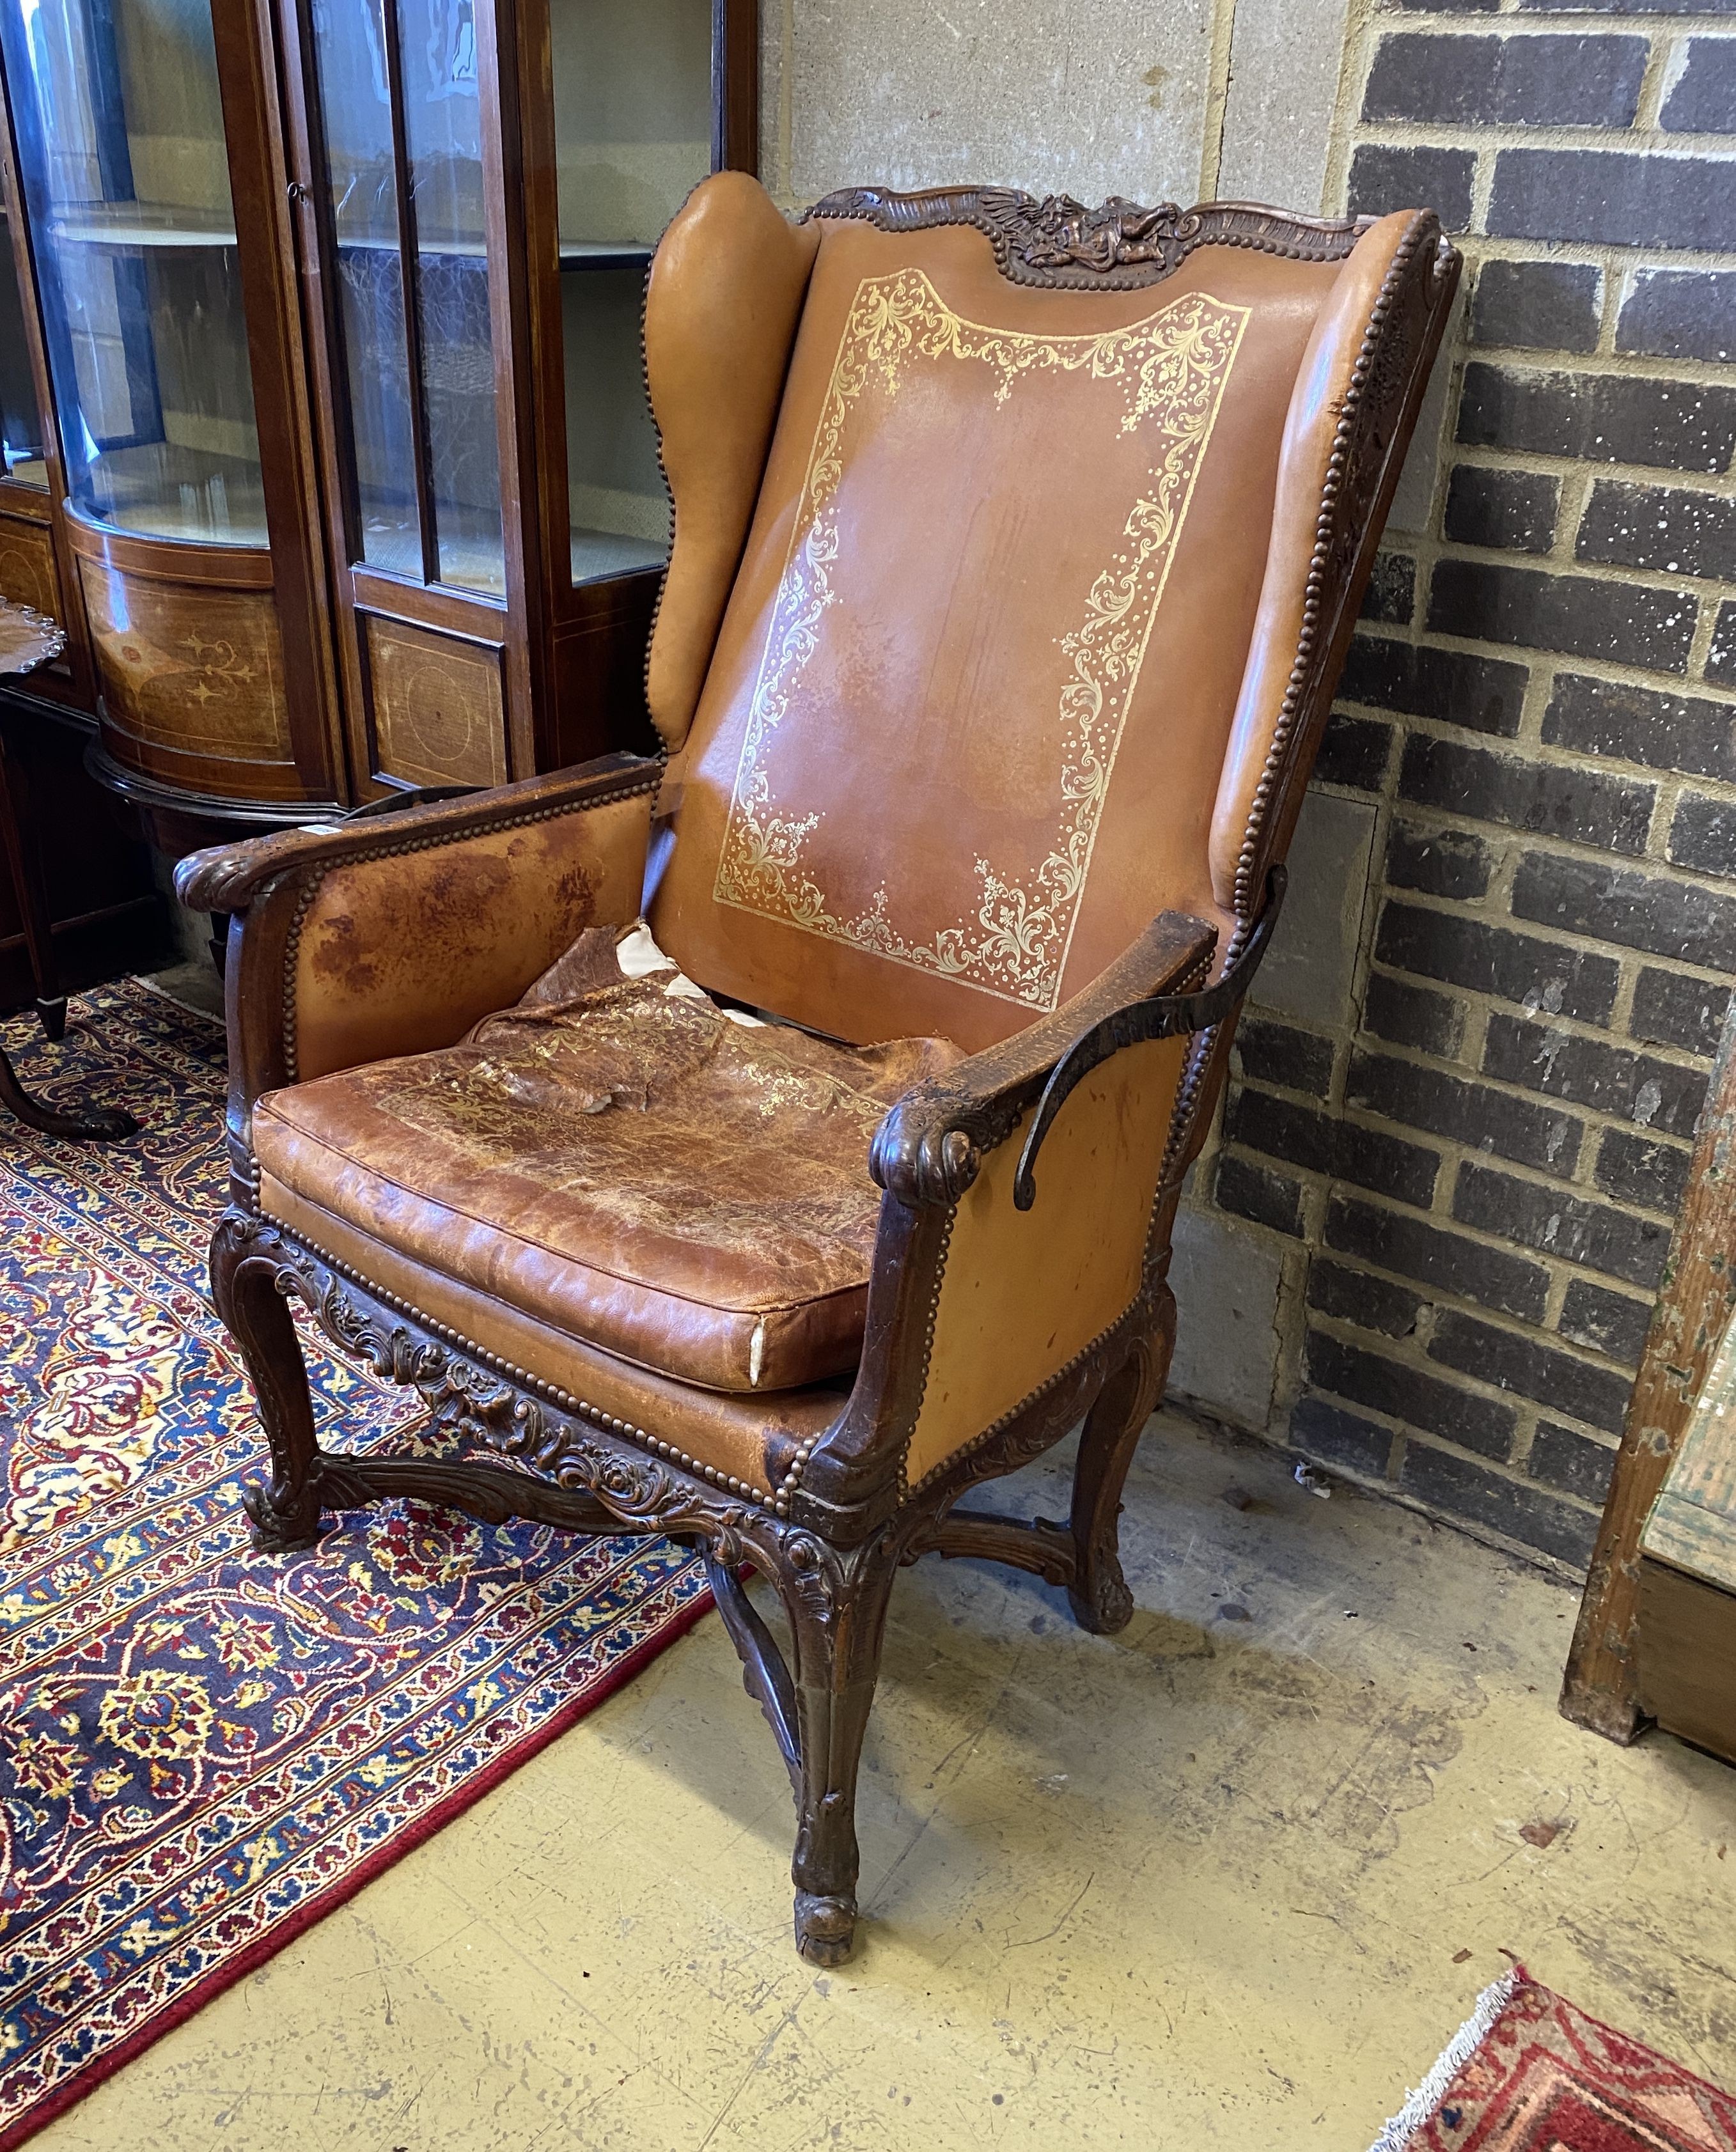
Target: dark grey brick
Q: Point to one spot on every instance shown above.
(1512, 1508)
(1394, 1241)
(1550, 799)
(1613, 198)
(1383, 179)
(1652, 1175)
(1392, 592)
(1272, 1053)
(1330, 1435)
(1357, 1296)
(1658, 526)
(1703, 836)
(1703, 100)
(1626, 7)
(1252, 1191)
(1598, 418)
(1571, 1227)
(1671, 1010)
(1666, 732)
(1524, 81)
(1631, 623)
(1610, 1322)
(1441, 862)
(1721, 657)
(1678, 313)
(1408, 1394)
(1512, 509)
(1586, 1072)
(1493, 960)
(1322, 1143)
(1412, 1015)
(1481, 694)
(1598, 1396)
(1472, 1114)
(1572, 1463)
(1537, 306)
(1354, 751)
(1617, 903)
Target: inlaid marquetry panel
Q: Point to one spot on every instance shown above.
(28, 575)
(439, 716)
(198, 670)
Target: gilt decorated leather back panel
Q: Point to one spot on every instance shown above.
(964, 727)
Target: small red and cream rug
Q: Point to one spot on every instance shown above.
(1528, 2073)
(203, 1750)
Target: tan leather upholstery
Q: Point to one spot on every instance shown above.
(753, 1439)
(399, 953)
(725, 293)
(1321, 384)
(966, 726)
(624, 1163)
(1023, 1291)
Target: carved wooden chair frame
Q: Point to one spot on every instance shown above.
(832, 1538)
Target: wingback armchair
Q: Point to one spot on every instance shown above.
(761, 1143)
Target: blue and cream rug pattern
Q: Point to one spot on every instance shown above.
(203, 1750)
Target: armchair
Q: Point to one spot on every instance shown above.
(1017, 547)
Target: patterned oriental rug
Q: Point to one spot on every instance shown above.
(1528, 2073)
(202, 1751)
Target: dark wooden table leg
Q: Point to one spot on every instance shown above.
(23, 860)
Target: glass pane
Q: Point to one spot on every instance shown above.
(20, 433)
(356, 111)
(120, 142)
(443, 132)
(633, 129)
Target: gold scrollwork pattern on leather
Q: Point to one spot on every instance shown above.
(1172, 368)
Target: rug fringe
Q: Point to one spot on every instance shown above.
(1463, 2044)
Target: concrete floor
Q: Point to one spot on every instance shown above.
(1233, 1878)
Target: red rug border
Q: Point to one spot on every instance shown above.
(1523, 1977)
(317, 1908)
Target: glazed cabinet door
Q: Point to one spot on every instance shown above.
(143, 140)
(625, 109)
(407, 260)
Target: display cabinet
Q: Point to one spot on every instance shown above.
(338, 303)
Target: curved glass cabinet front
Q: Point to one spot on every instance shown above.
(119, 131)
(20, 433)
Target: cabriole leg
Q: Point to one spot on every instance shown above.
(1101, 1601)
(285, 1511)
(837, 1606)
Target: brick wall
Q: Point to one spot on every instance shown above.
(1472, 1166)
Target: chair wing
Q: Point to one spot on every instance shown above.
(1006, 666)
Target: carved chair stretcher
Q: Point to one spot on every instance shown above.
(1016, 550)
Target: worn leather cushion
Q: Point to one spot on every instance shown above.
(622, 1158)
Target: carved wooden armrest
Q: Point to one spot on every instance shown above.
(977, 1302)
(929, 1148)
(393, 933)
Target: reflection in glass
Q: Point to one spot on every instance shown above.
(443, 135)
(21, 433)
(120, 145)
(632, 127)
(356, 111)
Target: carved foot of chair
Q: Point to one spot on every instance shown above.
(1105, 1606)
(95, 1124)
(826, 1928)
(285, 1520)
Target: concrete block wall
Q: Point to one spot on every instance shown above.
(1423, 1245)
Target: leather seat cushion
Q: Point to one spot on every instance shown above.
(620, 1158)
